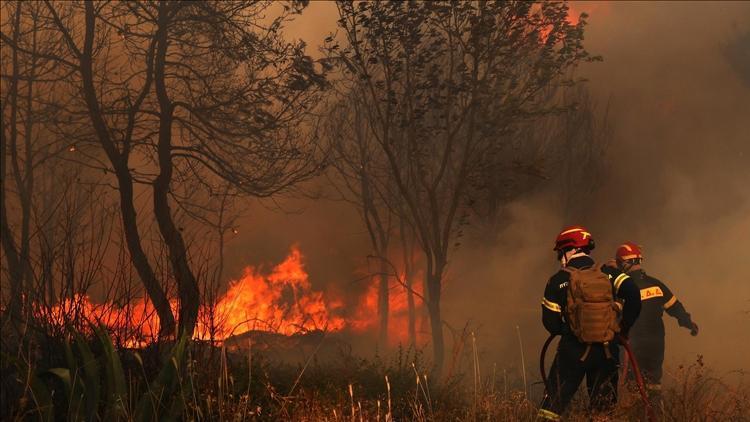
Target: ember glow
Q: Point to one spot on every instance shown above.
(280, 300)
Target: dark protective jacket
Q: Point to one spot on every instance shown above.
(554, 301)
(655, 298)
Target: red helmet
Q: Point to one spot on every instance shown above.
(628, 251)
(574, 237)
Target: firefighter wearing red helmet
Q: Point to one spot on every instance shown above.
(647, 334)
(576, 358)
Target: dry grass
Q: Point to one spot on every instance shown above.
(692, 394)
(218, 385)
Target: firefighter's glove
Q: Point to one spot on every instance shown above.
(694, 330)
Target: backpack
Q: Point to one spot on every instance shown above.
(592, 312)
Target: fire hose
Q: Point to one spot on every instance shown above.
(633, 363)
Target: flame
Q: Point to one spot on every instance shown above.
(280, 300)
(133, 325)
(366, 317)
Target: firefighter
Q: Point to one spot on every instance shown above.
(575, 359)
(647, 334)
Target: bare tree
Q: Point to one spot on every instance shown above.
(440, 82)
(190, 89)
(117, 143)
(10, 248)
(29, 110)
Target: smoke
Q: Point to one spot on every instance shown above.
(678, 183)
(675, 181)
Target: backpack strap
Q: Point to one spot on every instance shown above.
(586, 352)
(571, 270)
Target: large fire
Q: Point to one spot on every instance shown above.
(281, 300)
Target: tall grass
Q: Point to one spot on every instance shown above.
(93, 381)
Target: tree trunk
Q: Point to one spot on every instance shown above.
(187, 285)
(139, 258)
(436, 322)
(409, 274)
(408, 251)
(383, 299)
(47, 237)
(125, 183)
(26, 186)
(15, 270)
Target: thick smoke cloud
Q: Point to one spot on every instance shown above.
(679, 177)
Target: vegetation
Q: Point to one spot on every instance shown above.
(85, 378)
(131, 131)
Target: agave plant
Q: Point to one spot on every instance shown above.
(95, 387)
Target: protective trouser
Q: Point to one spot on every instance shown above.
(567, 372)
(650, 356)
